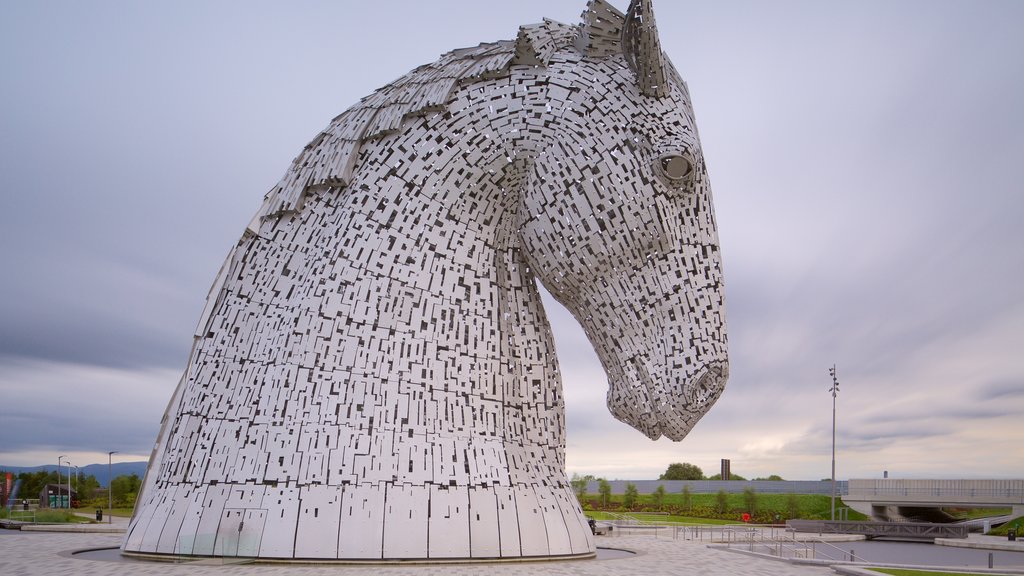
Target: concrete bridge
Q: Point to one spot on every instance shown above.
(891, 499)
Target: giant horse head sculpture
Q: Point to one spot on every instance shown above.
(374, 377)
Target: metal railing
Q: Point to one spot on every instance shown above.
(772, 540)
(22, 515)
(871, 529)
(786, 546)
(1009, 491)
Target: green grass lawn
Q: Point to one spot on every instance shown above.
(1017, 524)
(119, 512)
(44, 515)
(969, 513)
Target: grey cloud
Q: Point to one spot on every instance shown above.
(1004, 390)
(865, 159)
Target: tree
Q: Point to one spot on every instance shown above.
(604, 488)
(32, 482)
(125, 489)
(731, 477)
(87, 487)
(579, 486)
(630, 497)
(772, 478)
(687, 498)
(682, 471)
(659, 496)
(750, 499)
(722, 502)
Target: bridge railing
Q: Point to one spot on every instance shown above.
(992, 491)
(914, 530)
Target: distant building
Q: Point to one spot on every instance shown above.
(56, 496)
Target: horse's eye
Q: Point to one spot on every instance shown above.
(675, 167)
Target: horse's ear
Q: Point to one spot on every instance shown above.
(642, 49)
(536, 43)
(601, 31)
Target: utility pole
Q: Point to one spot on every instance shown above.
(834, 390)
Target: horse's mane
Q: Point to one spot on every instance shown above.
(329, 159)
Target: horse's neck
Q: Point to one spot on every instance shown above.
(437, 288)
(399, 312)
(490, 320)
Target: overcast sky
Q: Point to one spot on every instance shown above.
(866, 159)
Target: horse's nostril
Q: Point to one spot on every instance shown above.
(705, 389)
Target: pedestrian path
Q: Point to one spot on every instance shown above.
(49, 553)
(984, 542)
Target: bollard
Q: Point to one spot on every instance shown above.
(989, 559)
(99, 515)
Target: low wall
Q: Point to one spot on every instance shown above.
(730, 486)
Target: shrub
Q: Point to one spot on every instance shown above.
(55, 516)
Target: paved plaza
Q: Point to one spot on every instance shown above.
(31, 553)
(48, 553)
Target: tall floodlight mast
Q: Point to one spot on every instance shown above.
(835, 391)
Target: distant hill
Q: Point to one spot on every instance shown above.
(97, 470)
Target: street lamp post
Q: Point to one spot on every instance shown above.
(110, 487)
(834, 390)
(59, 458)
(69, 484)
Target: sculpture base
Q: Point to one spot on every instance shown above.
(353, 561)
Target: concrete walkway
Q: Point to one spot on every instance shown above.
(30, 553)
(983, 542)
(34, 552)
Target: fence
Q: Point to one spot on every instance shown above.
(729, 486)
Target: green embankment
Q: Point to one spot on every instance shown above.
(1015, 524)
(767, 508)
